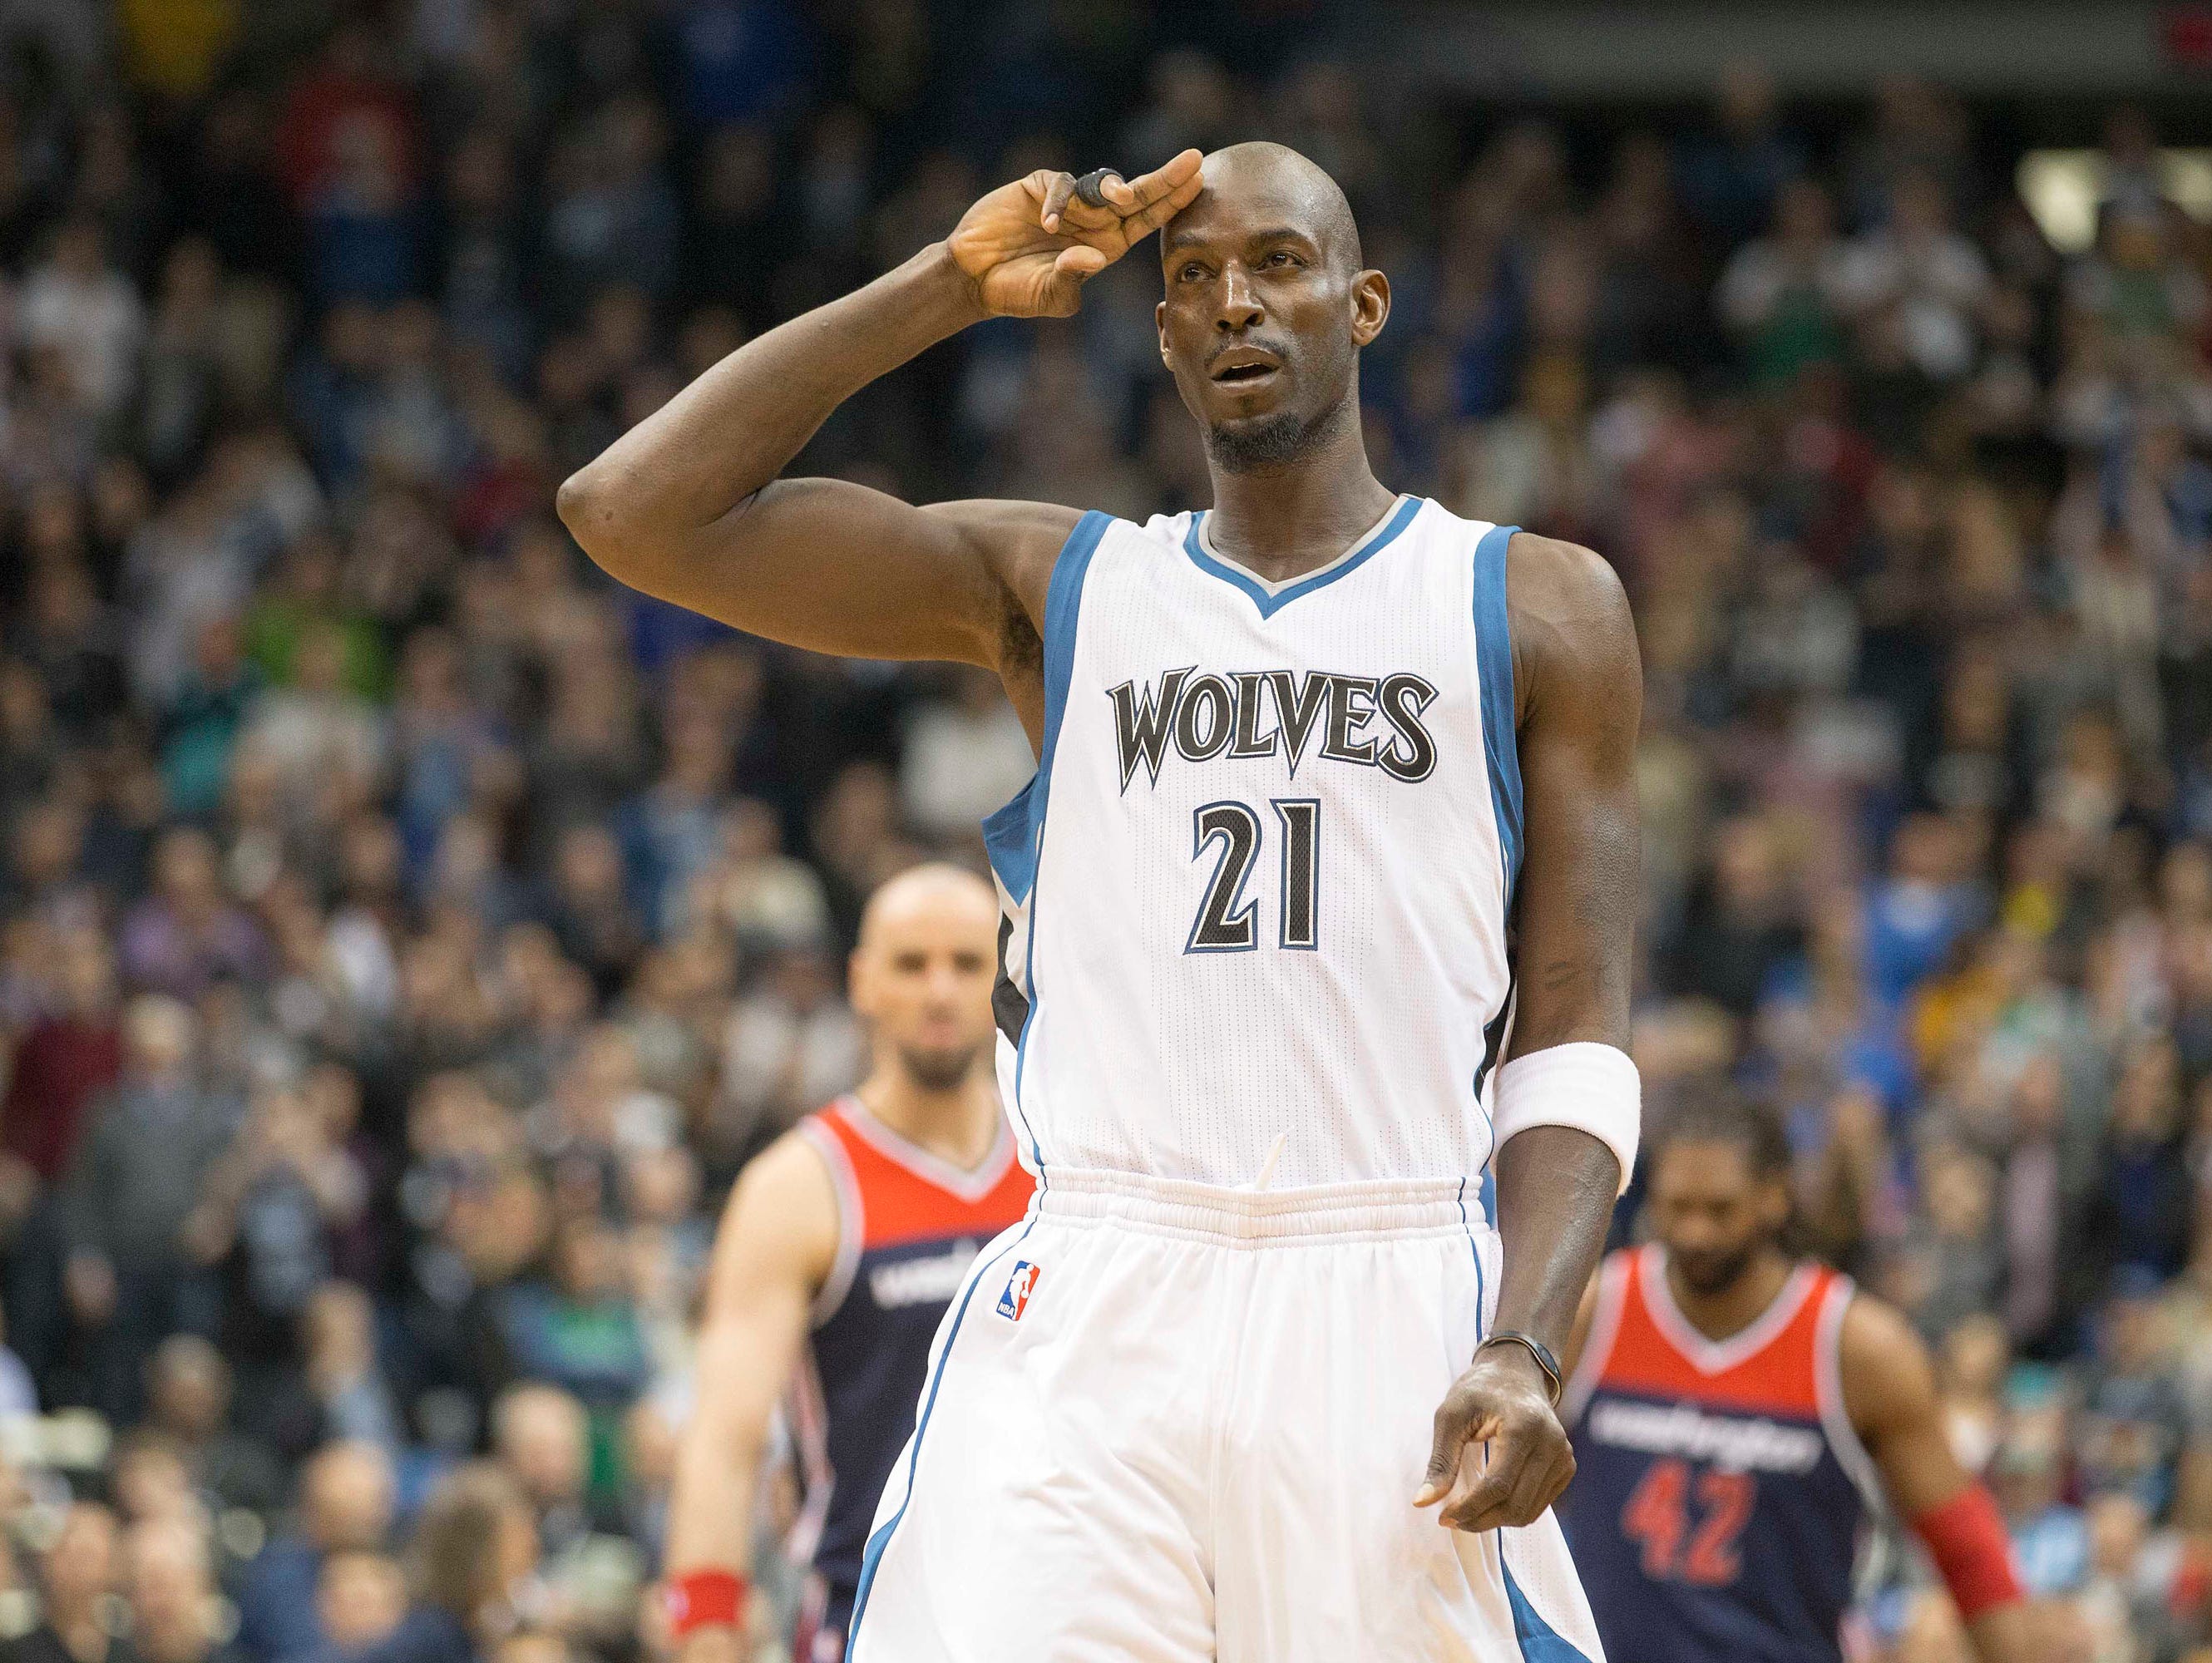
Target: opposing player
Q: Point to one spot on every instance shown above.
(1737, 1411)
(1301, 758)
(842, 1245)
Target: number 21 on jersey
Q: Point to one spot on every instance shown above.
(1227, 921)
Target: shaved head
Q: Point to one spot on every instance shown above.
(936, 890)
(1278, 174)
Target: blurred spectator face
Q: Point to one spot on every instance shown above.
(2038, 1097)
(661, 1187)
(541, 1439)
(87, 975)
(922, 974)
(185, 873)
(2147, 1096)
(2028, 1475)
(346, 1497)
(587, 1261)
(80, 1564)
(172, 1592)
(2117, 1529)
(1975, 1356)
(158, 1037)
(188, 1387)
(360, 1598)
(338, 1333)
(1712, 1212)
(151, 1481)
(1960, 1195)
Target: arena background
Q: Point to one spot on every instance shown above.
(407, 932)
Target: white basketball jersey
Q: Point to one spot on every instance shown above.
(1255, 897)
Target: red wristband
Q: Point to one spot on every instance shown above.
(1967, 1539)
(703, 1600)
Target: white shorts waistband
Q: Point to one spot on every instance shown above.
(1369, 1210)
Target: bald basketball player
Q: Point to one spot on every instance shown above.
(842, 1244)
(1314, 957)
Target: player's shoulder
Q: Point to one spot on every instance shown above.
(788, 1194)
(1883, 1364)
(1550, 581)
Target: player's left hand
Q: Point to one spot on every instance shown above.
(1500, 1455)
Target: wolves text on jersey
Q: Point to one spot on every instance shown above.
(1268, 713)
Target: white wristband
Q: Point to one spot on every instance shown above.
(1590, 1087)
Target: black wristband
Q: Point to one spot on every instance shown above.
(1555, 1382)
(1090, 186)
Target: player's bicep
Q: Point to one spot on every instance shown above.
(1577, 899)
(1891, 1396)
(837, 568)
(777, 1242)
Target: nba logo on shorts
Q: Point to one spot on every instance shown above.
(1020, 1286)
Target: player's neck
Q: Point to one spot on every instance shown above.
(1285, 522)
(1724, 1313)
(958, 1126)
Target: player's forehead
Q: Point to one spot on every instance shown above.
(1702, 1168)
(930, 917)
(1242, 204)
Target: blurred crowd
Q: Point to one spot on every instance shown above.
(406, 934)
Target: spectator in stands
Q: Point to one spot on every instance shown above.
(188, 1397)
(174, 1605)
(78, 1575)
(346, 1508)
(475, 1547)
(132, 1274)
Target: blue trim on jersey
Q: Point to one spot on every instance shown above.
(1539, 1643)
(1011, 833)
(1493, 651)
(1272, 602)
(873, 1556)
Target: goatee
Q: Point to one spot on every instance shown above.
(1273, 442)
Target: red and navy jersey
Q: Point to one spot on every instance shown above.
(909, 1225)
(1720, 1492)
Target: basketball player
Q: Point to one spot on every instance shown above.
(1737, 1413)
(1301, 757)
(842, 1247)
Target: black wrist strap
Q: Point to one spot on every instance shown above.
(1553, 1381)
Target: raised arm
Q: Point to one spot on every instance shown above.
(1565, 1097)
(687, 505)
(777, 1242)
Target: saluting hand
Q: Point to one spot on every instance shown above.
(1029, 247)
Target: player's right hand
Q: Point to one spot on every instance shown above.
(1029, 247)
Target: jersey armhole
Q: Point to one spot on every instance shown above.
(852, 1217)
(1493, 664)
(1843, 1437)
(1597, 1347)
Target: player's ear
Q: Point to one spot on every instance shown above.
(1370, 307)
(1160, 323)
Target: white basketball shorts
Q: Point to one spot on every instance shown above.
(1171, 1423)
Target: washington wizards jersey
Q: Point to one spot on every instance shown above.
(1719, 1489)
(909, 1225)
(1256, 897)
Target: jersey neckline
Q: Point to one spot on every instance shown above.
(967, 1183)
(1270, 597)
(1716, 1357)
